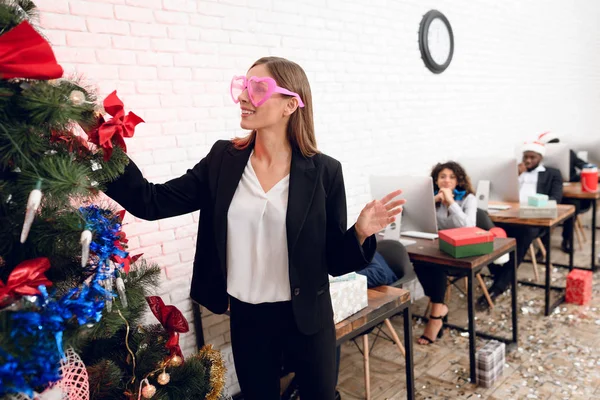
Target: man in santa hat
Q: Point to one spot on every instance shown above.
(534, 178)
(581, 206)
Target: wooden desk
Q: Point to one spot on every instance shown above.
(573, 191)
(511, 217)
(428, 251)
(384, 303)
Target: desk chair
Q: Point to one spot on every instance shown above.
(580, 232)
(533, 254)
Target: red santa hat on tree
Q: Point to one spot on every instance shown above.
(535, 146)
(24, 53)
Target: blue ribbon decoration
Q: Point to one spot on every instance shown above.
(44, 322)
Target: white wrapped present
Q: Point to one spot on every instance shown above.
(550, 210)
(348, 296)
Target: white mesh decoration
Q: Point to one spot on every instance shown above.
(73, 384)
(74, 380)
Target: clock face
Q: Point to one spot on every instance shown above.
(436, 41)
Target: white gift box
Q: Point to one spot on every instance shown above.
(548, 211)
(348, 296)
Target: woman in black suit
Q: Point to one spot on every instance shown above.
(272, 227)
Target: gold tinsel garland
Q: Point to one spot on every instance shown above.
(217, 371)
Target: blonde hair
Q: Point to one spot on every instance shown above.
(301, 128)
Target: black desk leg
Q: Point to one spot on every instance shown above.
(594, 209)
(548, 245)
(572, 241)
(514, 297)
(472, 344)
(408, 347)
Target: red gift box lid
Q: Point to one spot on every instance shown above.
(580, 274)
(465, 236)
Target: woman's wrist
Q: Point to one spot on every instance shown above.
(360, 235)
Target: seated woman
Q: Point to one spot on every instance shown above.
(456, 208)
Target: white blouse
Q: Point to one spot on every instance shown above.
(257, 253)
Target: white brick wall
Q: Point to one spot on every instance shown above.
(519, 68)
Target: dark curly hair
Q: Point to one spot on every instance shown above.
(462, 179)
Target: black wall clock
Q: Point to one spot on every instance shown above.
(436, 41)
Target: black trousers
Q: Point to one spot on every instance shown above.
(433, 279)
(524, 236)
(581, 206)
(264, 335)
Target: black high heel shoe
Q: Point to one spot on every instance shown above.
(440, 334)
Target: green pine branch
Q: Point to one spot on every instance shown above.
(139, 283)
(105, 379)
(13, 12)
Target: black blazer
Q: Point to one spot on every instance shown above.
(318, 241)
(550, 182)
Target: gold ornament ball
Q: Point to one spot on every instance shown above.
(77, 97)
(176, 361)
(163, 378)
(149, 391)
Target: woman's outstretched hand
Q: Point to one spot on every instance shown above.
(377, 215)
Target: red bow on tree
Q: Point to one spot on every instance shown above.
(25, 279)
(24, 53)
(172, 320)
(120, 244)
(115, 129)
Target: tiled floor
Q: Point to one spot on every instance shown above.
(558, 357)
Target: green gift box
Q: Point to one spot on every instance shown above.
(538, 200)
(466, 242)
(469, 250)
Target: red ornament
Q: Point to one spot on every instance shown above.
(172, 320)
(25, 279)
(114, 130)
(24, 53)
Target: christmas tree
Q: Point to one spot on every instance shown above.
(71, 296)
